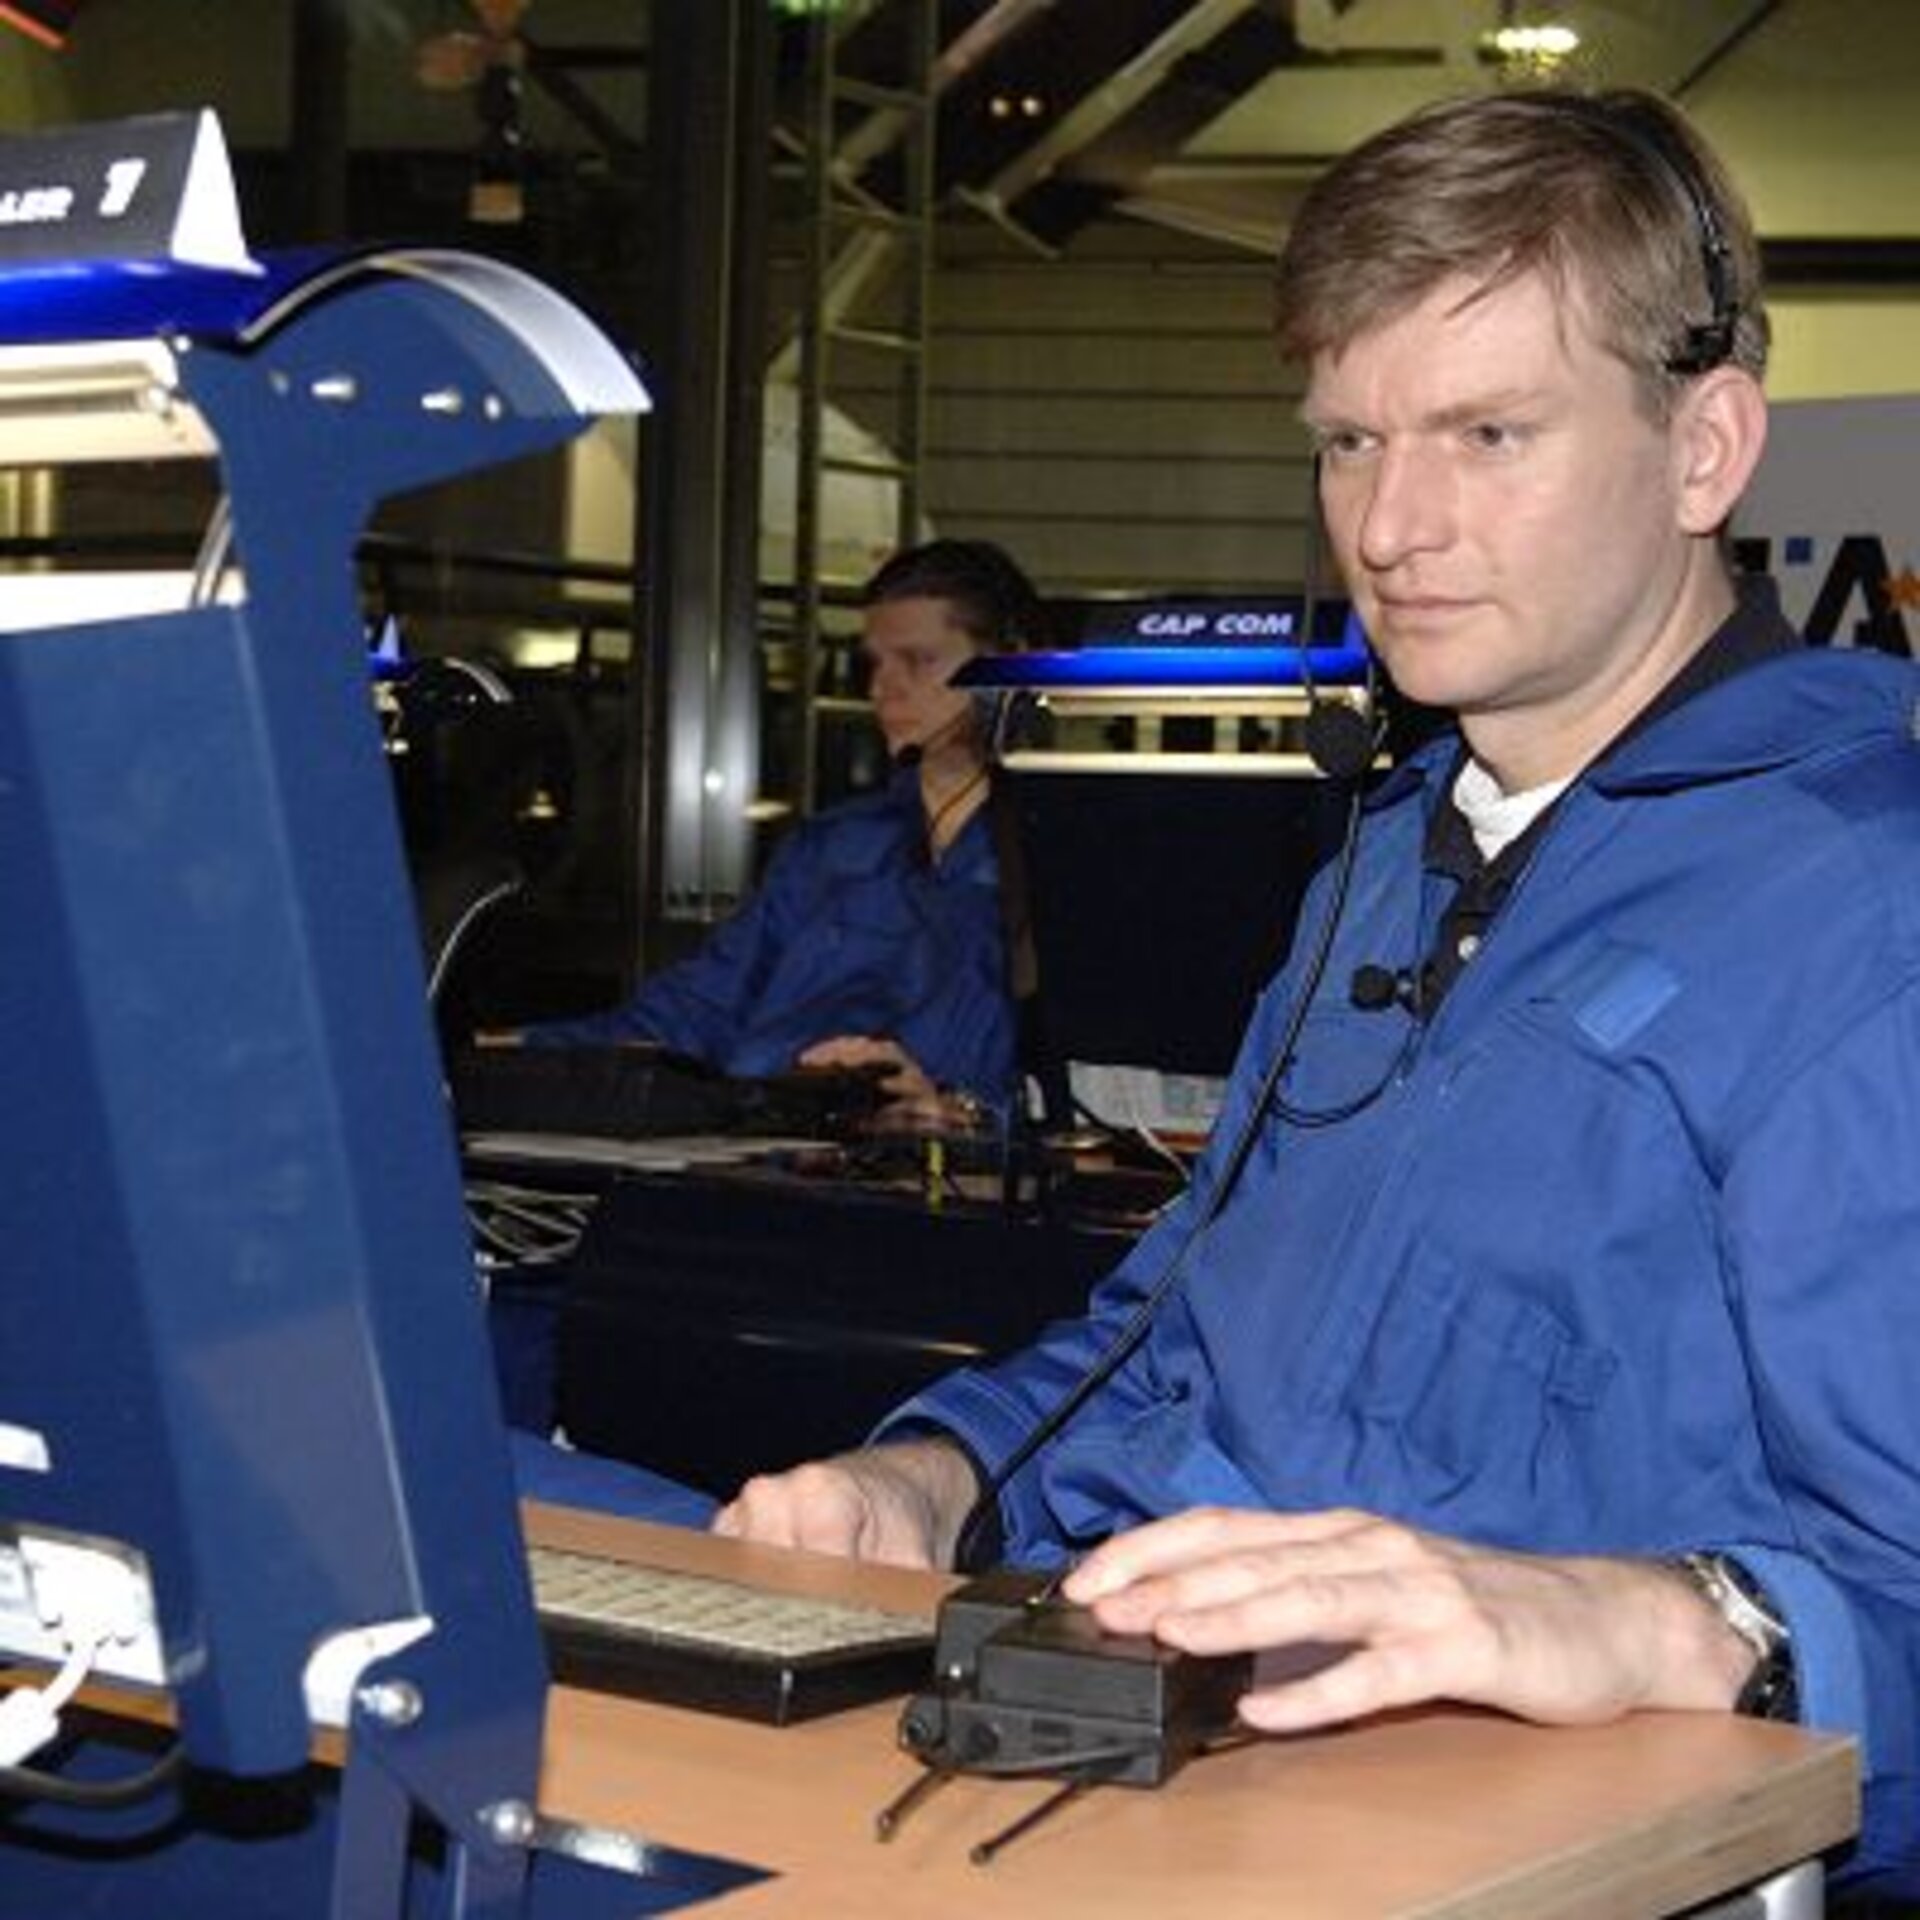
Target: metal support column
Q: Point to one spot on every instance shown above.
(709, 119)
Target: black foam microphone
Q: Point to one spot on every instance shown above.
(1374, 988)
(1340, 739)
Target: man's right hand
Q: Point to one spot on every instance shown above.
(901, 1504)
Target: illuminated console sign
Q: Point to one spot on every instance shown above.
(155, 187)
(1218, 627)
(1208, 623)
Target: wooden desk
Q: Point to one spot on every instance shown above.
(1435, 1813)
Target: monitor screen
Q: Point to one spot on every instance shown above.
(1161, 904)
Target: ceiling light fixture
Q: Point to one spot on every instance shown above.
(1548, 43)
(1528, 51)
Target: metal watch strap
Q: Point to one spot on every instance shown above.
(1770, 1691)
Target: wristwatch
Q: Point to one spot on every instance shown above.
(1770, 1691)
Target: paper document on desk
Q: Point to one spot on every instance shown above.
(662, 1154)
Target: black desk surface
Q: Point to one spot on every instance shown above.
(718, 1324)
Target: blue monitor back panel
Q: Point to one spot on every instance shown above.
(250, 1345)
(249, 1338)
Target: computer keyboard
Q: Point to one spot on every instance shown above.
(636, 1093)
(692, 1640)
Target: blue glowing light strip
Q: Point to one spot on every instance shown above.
(1229, 669)
(62, 301)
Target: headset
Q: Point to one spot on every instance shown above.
(1707, 343)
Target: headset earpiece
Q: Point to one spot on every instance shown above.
(1707, 343)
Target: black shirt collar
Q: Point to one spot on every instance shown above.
(1753, 632)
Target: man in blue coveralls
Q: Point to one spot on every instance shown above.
(876, 938)
(1544, 1329)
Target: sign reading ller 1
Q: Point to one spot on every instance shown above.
(155, 187)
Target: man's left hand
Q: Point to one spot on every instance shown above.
(912, 1097)
(1555, 1639)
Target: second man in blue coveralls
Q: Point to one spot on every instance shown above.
(877, 935)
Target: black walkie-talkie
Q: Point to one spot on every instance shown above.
(1027, 1684)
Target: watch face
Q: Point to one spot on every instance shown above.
(1772, 1691)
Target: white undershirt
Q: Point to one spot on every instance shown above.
(1499, 818)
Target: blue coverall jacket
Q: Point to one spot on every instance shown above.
(853, 931)
(1620, 1252)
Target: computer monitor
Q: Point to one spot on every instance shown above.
(1165, 816)
(250, 1447)
(1160, 904)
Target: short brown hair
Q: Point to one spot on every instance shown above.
(1595, 191)
(988, 597)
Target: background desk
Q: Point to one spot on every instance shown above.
(1441, 1813)
(712, 1327)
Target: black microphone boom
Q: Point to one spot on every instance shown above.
(979, 714)
(1341, 738)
